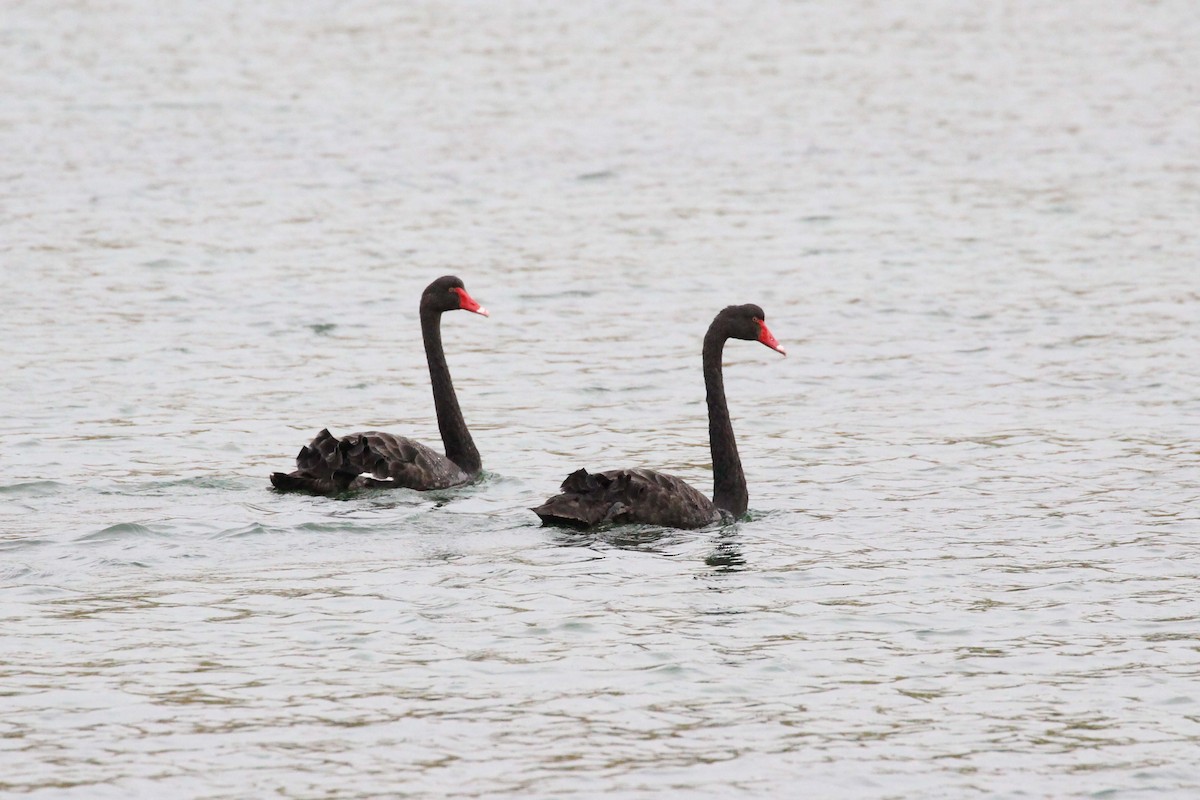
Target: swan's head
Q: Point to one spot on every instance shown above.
(448, 294)
(748, 322)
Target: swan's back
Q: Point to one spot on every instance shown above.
(329, 465)
(625, 496)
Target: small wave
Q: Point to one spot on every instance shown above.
(10, 573)
(123, 530)
(329, 527)
(242, 531)
(204, 482)
(32, 489)
(18, 544)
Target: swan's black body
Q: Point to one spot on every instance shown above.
(646, 496)
(627, 495)
(329, 465)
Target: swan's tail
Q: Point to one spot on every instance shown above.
(582, 503)
(300, 482)
(321, 468)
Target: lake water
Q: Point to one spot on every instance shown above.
(970, 565)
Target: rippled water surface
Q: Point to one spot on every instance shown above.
(970, 564)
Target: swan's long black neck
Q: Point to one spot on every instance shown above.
(729, 482)
(460, 448)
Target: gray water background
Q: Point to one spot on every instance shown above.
(970, 565)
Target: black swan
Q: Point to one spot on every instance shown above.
(374, 459)
(646, 496)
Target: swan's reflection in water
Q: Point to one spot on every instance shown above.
(727, 556)
(643, 538)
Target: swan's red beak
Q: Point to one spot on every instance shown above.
(766, 337)
(467, 303)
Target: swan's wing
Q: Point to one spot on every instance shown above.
(329, 465)
(399, 460)
(626, 496)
